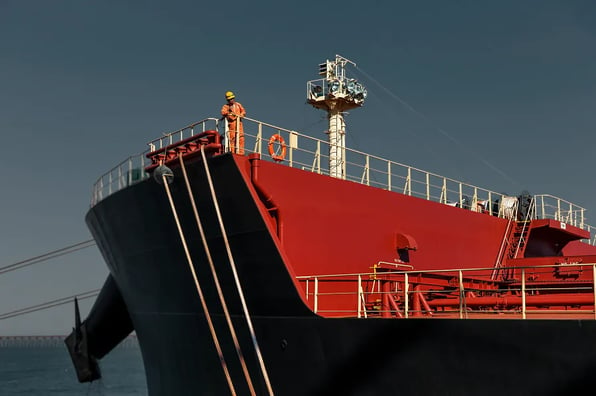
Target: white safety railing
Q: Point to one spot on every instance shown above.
(546, 291)
(549, 207)
(126, 173)
(312, 154)
(132, 170)
(208, 124)
(592, 230)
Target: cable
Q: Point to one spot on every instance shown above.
(41, 258)
(439, 129)
(49, 304)
(235, 273)
(216, 280)
(198, 286)
(47, 256)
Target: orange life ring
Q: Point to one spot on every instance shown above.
(277, 138)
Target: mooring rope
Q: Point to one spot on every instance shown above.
(237, 281)
(216, 279)
(49, 304)
(47, 256)
(199, 290)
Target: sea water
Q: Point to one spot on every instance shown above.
(41, 371)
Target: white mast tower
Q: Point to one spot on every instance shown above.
(336, 93)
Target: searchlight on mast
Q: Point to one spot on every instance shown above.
(336, 93)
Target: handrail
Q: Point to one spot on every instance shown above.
(184, 133)
(516, 299)
(522, 240)
(435, 271)
(126, 173)
(312, 154)
(551, 207)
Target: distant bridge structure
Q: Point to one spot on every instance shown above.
(52, 341)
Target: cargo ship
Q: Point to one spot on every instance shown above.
(259, 260)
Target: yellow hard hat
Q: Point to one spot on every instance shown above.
(230, 95)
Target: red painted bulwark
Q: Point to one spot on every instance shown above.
(336, 226)
(326, 226)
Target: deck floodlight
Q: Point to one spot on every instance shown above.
(340, 94)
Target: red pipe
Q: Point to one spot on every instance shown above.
(395, 308)
(425, 304)
(416, 301)
(540, 300)
(387, 296)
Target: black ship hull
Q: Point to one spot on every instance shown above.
(304, 354)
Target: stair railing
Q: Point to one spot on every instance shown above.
(526, 221)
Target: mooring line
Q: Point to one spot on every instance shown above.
(49, 304)
(216, 279)
(47, 256)
(199, 290)
(236, 279)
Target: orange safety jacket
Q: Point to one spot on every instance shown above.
(232, 112)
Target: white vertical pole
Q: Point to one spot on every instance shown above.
(260, 139)
(367, 171)
(307, 288)
(359, 294)
(336, 144)
(523, 291)
(594, 287)
(406, 285)
(316, 307)
(388, 176)
(461, 295)
(319, 157)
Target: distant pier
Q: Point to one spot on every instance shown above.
(51, 341)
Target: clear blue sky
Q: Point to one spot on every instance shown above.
(85, 84)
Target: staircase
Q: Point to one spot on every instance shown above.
(518, 239)
(515, 240)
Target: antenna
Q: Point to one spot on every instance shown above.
(335, 93)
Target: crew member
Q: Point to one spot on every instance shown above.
(234, 112)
